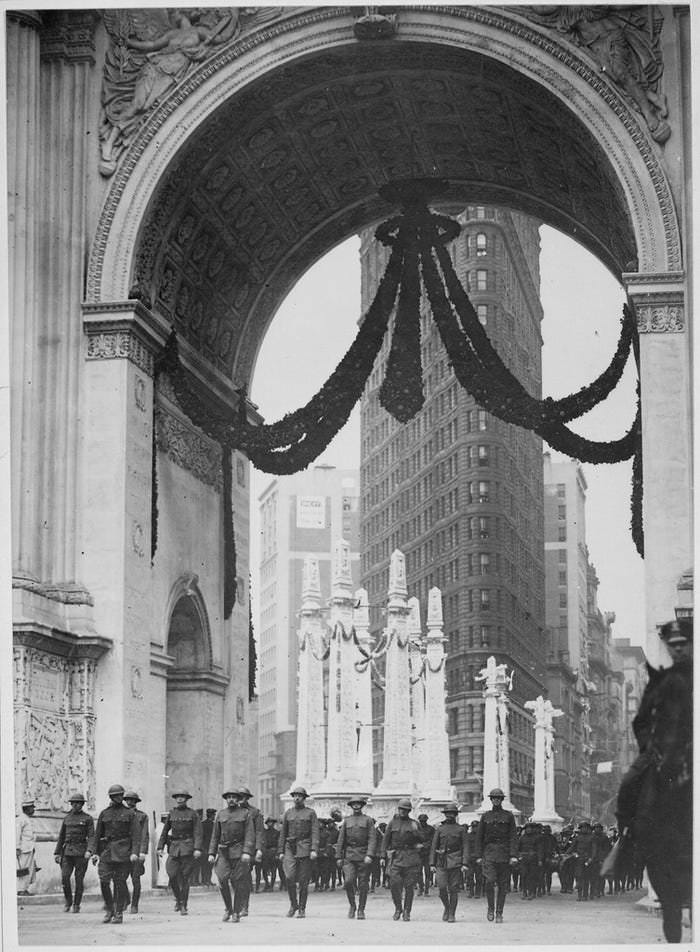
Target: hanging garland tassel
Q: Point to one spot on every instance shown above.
(417, 239)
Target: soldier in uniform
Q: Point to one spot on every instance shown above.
(603, 847)
(336, 872)
(424, 877)
(584, 850)
(473, 878)
(566, 860)
(402, 846)
(232, 844)
(355, 848)
(131, 798)
(207, 829)
(496, 850)
(298, 848)
(72, 850)
(531, 859)
(449, 856)
(115, 846)
(269, 851)
(244, 796)
(184, 848)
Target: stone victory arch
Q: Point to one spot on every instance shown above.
(199, 208)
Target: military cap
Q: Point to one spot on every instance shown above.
(244, 792)
(450, 808)
(182, 793)
(230, 792)
(497, 792)
(132, 795)
(677, 631)
(299, 790)
(270, 819)
(336, 814)
(115, 789)
(404, 804)
(583, 824)
(76, 797)
(474, 823)
(211, 811)
(422, 816)
(362, 800)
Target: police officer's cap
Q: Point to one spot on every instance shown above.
(299, 790)
(497, 792)
(404, 804)
(132, 795)
(182, 793)
(450, 808)
(270, 819)
(76, 797)
(474, 823)
(244, 792)
(360, 800)
(678, 631)
(115, 790)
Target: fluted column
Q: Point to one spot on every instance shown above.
(417, 682)
(396, 779)
(496, 754)
(342, 771)
(310, 767)
(437, 749)
(23, 190)
(363, 692)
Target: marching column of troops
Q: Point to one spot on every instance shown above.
(488, 858)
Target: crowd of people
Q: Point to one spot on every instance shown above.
(488, 858)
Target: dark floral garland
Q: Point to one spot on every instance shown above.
(417, 238)
(230, 583)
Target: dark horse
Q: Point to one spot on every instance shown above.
(663, 821)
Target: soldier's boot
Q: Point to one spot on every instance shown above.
(303, 894)
(453, 907)
(407, 904)
(362, 901)
(350, 893)
(293, 902)
(109, 901)
(136, 895)
(500, 903)
(225, 891)
(184, 896)
(489, 890)
(442, 893)
(67, 894)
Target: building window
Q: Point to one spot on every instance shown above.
(454, 762)
(483, 490)
(453, 723)
(483, 527)
(562, 576)
(481, 418)
(562, 534)
(482, 312)
(483, 455)
(562, 556)
(481, 247)
(480, 211)
(484, 599)
(562, 600)
(562, 512)
(484, 563)
(561, 490)
(481, 279)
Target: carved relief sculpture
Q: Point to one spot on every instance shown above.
(624, 41)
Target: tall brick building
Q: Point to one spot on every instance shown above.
(460, 493)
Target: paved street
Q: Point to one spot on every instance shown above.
(554, 920)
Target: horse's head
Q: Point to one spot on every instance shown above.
(672, 720)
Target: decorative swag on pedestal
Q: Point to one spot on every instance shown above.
(419, 259)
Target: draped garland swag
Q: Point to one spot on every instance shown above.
(419, 261)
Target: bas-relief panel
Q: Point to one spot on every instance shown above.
(54, 727)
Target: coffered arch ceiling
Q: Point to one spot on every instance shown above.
(292, 165)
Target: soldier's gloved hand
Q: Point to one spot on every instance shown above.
(133, 858)
(197, 854)
(367, 860)
(465, 869)
(258, 856)
(245, 857)
(433, 869)
(142, 857)
(313, 854)
(339, 863)
(513, 861)
(57, 858)
(212, 859)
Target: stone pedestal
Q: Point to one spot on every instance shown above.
(544, 811)
(496, 751)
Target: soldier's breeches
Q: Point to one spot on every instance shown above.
(70, 865)
(448, 879)
(137, 871)
(108, 871)
(237, 873)
(297, 870)
(402, 882)
(356, 875)
(179, 870)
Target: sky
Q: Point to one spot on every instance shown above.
(582, 305)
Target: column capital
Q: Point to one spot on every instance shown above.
(27, 18)
(124, 329)
(659, 300)
(69, 35)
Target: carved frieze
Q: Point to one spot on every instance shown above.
(189, 448)
(69, 35)
(660, 318)
(116, 344)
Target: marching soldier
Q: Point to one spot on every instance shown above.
(244, 796)
(402, 846)
(184, 848)
(231, 847)
(269, 860)
(427, 832)
(496, 850)
(298, 848)
(449, 856)
(474, 878)
(72, 850)
(356, 846)
(115, 847)
(207, 830)
(584, 849)
(131, 798)
(531, 858)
